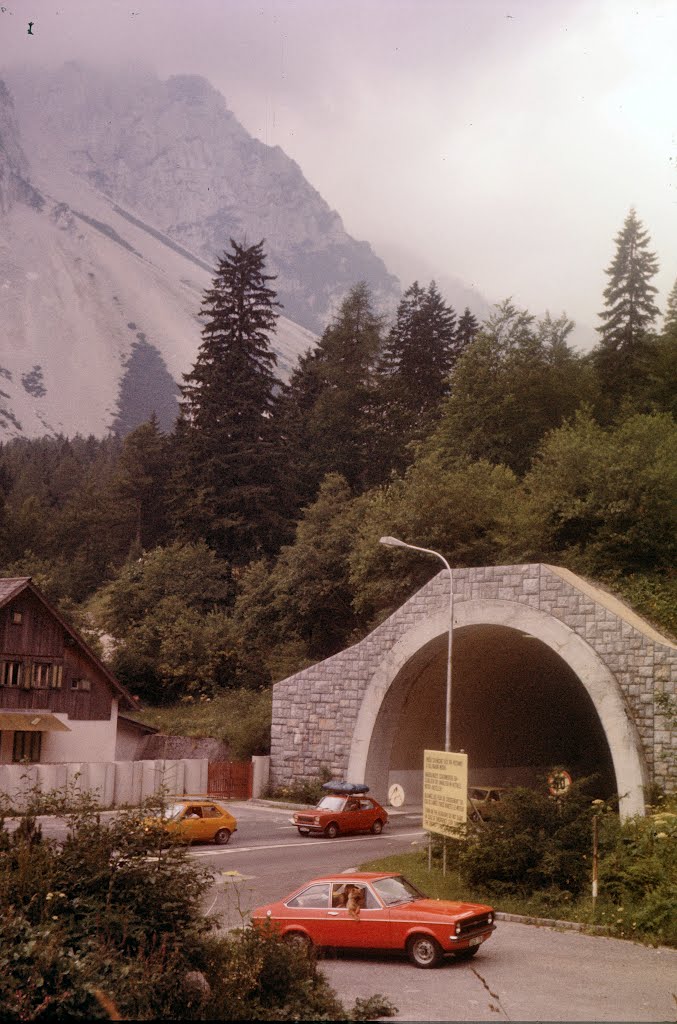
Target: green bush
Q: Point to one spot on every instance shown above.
(638, 878)
(532, 843)
(304, 791)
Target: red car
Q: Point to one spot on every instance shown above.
(379, 911)
(340, 812)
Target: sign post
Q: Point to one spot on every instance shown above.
(445, 792)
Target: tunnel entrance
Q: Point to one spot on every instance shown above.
(518, 709)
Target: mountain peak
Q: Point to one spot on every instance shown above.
(174, 153)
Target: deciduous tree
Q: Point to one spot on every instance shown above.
(518, 379)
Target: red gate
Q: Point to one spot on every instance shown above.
(230, 779)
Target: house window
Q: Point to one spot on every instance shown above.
(10, 673)
(81, 684)
(17, 618)
(46, 675)
(27, 746)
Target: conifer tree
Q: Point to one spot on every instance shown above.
(670, 322)
(661, 378)
(226, 477)
(328, 406)
(414, 370)
(630, 308)
(141, 478)
(466, 329)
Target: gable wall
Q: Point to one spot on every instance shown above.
(41, 636)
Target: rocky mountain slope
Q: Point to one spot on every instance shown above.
(117, 193)
(172, 153)
(98, 308)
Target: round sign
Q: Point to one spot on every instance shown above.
(559, 781)
(396, 795)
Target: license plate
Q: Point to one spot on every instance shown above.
(476, 941)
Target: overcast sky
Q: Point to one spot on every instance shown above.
(499, 141)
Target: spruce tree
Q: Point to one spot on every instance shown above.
(141, 479)
(466, 329)
(670, 322)
(226, 480)
(414, 371)
(329, 404)
(630, 310)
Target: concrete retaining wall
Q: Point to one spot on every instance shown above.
(111, 783)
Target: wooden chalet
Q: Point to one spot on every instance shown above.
(58, 702)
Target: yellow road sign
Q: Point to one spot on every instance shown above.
(445, 791)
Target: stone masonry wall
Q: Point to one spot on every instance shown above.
(315, 711)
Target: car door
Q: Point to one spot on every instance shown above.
(370, 930)
(368, 813)
(214, 819)
(308, 910)
(193, 824)
(351, 816)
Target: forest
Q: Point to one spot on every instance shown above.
(243, 545)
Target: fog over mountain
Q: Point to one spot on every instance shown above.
(117, 193)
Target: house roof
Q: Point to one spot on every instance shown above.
(12, 587)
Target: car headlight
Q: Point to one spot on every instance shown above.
(458, 928)
(490, 918)
(317, 821)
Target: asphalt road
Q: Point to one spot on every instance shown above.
(523, 973)
(267, 858)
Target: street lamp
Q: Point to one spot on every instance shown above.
(393, 542)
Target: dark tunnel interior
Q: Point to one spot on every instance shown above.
(517, 710)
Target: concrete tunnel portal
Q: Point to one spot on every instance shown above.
(548, 670)
(518, 709)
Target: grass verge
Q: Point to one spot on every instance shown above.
(241, 718)
(549, 904)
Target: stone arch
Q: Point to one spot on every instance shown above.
(376, 718)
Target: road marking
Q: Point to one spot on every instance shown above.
(284, 846)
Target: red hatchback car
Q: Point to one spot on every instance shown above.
(379, 911)
(341, 812)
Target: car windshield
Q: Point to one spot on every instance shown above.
(173, 810)
(331, 803)
(397, 890)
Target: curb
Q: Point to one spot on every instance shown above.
(288, 806)
(552, 922)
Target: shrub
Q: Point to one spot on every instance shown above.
(532, 843)
(638, 878)
(303, 791)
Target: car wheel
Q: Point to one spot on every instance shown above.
(424, 951)
(466, 954)
(377, 827)
(303, 831)
(332, 830)
(222, 836)
(299, 940)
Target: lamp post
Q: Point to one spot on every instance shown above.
(393, 542)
